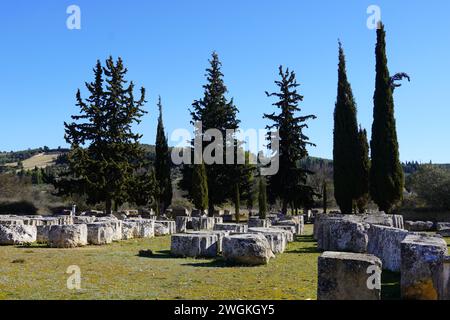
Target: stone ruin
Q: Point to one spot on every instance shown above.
(66, 231)
(420, 258)
(249, 244)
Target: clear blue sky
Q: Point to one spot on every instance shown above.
(166, 45)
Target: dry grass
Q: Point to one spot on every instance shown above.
(41, 160)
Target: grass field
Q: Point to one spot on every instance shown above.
(117, 272)
(41, 160)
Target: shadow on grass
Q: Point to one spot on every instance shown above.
(305, 239)
(216, 263)
(162, 254)
(390, 285)
(304, 250)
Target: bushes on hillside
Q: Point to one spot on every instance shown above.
(432, 185)
(22, 207)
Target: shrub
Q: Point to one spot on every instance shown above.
(21, 207)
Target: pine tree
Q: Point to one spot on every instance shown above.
(289, 184)
(362, 169)
(262, 198)
(162, 165)
(345, 141)
(386, 174)
(106, 162)
(200, 187)
(214, 111)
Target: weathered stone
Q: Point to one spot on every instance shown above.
(444, 279)
(290, 231)
(11, 221)
(385, 243)
(116, 225)
(259, 223)
(17, 234)
(218, 220)
(349, 276)
(343, 235)
(421, 260)
(442, 226)
(42, 233)
(398, 221)
(145, 228)
(200, 244)
(84, 219)
(130, 230)
(277, 238)
(161, 230)
(298, 224)
(99, 233)
(169, 224)
(67, 236)
(232, 227)
(419, 226)
(181, 224)
(247, 249)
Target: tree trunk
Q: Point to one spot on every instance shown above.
(108, 206)
(284, 207)
(211, 209)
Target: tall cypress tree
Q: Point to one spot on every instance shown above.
(345, 141)
(289, 184)
(362, 169)
(237, 202)
(386, 174)
(262, 198)
(324, 197)
(214, 111)
(162, 164)
(106, 162)
(200, 187)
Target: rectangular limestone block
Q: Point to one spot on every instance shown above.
(385, 243)
(349, 276)
(422, 256)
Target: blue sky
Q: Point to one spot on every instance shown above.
(166, 45)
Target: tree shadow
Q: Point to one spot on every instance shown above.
(390, 285)
(162, 254)
(304, 250)
(216, 263)
(304, 239)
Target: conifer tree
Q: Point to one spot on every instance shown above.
(345, 141)
(362, 169)
(386, 174)
(262, 198)
(214, 111)
(289, 184)
(106, 162)
(200, 187)
(162, 164)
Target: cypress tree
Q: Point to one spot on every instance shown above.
(200, 187)
(345, 141)
(362, 169)
(289, 183)
(162, 164)
(262, 198)
(214, 111)
(386, 174)
(106, 162)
